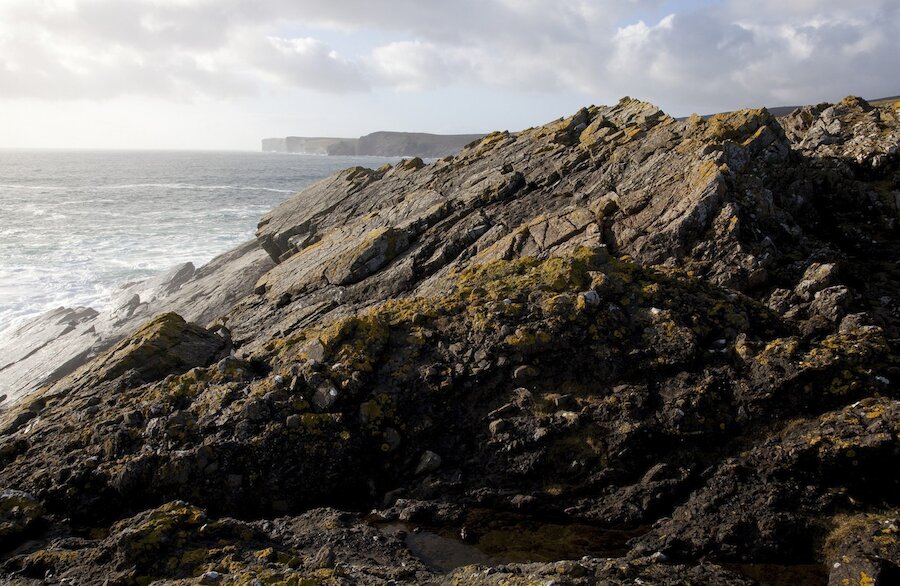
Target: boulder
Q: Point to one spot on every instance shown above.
(20, 515)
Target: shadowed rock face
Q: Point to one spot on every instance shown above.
(679, 332)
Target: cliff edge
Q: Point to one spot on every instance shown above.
(376, 144)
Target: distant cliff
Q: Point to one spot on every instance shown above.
(382, 144)
(305, 145)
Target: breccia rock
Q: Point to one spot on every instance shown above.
(663, 350)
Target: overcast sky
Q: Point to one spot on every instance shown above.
(222, 74)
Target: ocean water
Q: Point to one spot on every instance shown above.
(75, 225)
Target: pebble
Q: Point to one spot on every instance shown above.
(325, 396)
(591, 298)
(211, 577)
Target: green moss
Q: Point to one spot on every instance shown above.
(500, 279)
(356, 341)
(151, 534)
(525, 339)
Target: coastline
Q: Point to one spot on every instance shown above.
(617, 323)
(80, 224)
(68, 337)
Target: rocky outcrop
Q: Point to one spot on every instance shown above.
(617, 348)
(46, 349)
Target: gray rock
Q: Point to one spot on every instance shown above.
(324, 558)
(591, 298)
(325, 396)
(429, 462)
(377, 249)
(817, 277)
(832, 303)
(54, 345)
(19, 514)
(854, 321)
(18, 421)
(257, 410)
(315, 352)
(391, 438)
(498, 426)
(211, 577)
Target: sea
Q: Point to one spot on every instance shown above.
(76, 225)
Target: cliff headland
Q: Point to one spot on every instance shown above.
(377, 144)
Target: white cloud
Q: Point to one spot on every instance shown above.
(307, 62)
(414, 65)
(728, 53)
(776, 53)
(162, 47)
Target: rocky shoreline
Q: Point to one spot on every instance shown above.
(619, 348)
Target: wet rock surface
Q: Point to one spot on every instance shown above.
(617, 348)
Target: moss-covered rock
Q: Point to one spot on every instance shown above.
(20, 516)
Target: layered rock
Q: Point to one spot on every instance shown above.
(666, 346)
(44, 350)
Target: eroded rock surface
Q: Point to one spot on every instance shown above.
(664, 351)
(46, 349)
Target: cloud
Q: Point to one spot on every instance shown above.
(775, 55)
(87, 48)
(414, 65)
(306, 62)
(726, 53)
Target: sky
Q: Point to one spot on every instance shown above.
(222, 74)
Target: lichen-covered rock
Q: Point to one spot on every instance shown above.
(760, 504)
(664, 348)
(163, 346)
(864, 548)
(20, 513)
(595, 571)
(853, 130)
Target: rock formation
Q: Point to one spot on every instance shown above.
(48, 348)
(619, 348)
